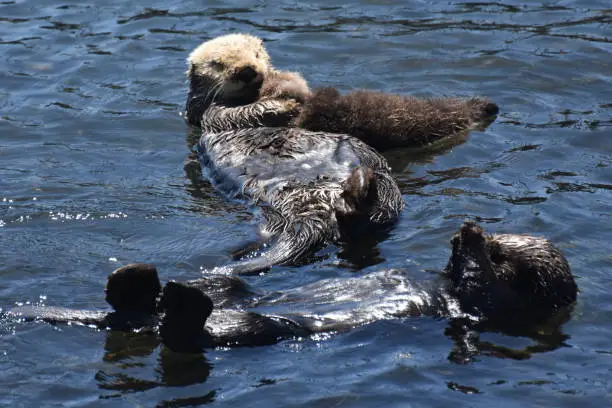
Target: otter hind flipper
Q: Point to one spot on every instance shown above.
(185, 311)
(133, 289)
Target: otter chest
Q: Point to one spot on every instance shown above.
(262, 161)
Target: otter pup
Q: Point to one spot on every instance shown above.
(312, 187)
(233, 75)
(381, 120)
(500, 281)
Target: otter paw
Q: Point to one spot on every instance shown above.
(291, 105)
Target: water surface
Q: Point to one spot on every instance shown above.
(93, 176)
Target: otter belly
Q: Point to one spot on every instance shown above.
(304, 182)
(260, 162)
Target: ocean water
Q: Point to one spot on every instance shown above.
(95, 173)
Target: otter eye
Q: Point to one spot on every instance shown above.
(216, 64)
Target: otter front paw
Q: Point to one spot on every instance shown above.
(279, 112)
(290, 106)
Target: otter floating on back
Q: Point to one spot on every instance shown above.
(501, 281)
(381, 120)
(311, 186)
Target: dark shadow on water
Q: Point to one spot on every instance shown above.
(124, 349)
(467, 345)
(121, 346)
(189, 401)
(361, 249)
(403, 158)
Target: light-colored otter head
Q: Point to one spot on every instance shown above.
(230, 68)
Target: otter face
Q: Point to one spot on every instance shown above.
(228, 68)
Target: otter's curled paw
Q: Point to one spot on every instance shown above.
(278, 112)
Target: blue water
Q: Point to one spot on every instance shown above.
(93, 176)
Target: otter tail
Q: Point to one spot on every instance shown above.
(298, 239)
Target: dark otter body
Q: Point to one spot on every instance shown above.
(381, 120)
(500, 280)
(512, 278)
(524, 286)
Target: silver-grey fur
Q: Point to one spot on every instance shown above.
(308, 184)
(299, 179)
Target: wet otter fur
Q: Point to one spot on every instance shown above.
(225, 76)
(182, 315)
(507, 277)
(381, 120)
(277, 98)
(312, 187)
(499, 281)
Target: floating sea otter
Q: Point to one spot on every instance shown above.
(503, 281)
(231, 79)
(312, 187)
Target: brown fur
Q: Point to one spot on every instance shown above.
(381, 120)
(285, 85)
(386, 121)
(509, 277)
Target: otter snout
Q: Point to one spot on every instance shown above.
(247, 74)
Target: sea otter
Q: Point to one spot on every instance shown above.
(313, 187)
(232, 77)
(500, 281)
(509, 278)
(381, 120)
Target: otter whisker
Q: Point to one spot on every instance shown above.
(214, 90)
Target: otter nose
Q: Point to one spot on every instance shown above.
(245, 74)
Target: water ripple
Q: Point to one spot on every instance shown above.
(96, 172)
